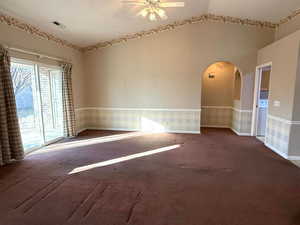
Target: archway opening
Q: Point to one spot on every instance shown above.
(220, 94)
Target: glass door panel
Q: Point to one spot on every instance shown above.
(28, 108)
(51, 102)
(57, 102)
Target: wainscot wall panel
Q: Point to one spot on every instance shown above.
(131, 119)
(277, 135)
(216, 116)
(227, 117)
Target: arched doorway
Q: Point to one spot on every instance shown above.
(220, 95)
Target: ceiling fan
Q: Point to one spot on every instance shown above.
(153, 8)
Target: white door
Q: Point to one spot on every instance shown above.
(261, 102)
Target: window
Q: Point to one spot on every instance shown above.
(38, 93)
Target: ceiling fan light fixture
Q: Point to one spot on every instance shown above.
(162, 13)
(153, 8)
(144, 12)
(152, 16)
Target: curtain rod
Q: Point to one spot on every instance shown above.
(35, 53)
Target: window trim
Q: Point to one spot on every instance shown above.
(33, 63)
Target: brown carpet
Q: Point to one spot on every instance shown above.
(216, 178)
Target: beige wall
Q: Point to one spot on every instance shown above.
(165, 70)
(218, 91)
(284, 57)
(20, 39)
(282, 134)
(288, 28)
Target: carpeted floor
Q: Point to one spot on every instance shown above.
(119, 178)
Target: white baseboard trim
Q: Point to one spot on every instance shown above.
(294, 158)
(215, 126)
(81, 130)
(167, 131)
(123, 129)
(228, 127)
(284, 155)
(240, 134)
(112, 129)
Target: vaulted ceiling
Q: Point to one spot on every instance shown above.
(91, 21)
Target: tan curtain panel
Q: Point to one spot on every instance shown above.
(11, 147)
(68, 106)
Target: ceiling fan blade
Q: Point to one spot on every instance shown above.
(171, 4)
(144, 12)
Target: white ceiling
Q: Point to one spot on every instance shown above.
(91, 21)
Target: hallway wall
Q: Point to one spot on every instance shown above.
(218, 91)
(283, 128)
(217, 95)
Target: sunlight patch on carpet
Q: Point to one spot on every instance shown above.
(122, 159)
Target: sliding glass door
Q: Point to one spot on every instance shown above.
(26, 94)
(38, 92)
(51, 103)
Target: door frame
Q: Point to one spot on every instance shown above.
(37, 66)
(257, 86)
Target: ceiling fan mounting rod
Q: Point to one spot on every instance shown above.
(153, 3)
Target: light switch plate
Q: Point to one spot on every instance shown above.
(276, 103)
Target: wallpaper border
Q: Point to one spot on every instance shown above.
(13, 22)
(289, 18)
(198, 19)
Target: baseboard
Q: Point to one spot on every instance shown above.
(167, 131)
(123, 129)
(277, 151)
(240, 134)
(113, 129)
(81, 130)
(294, 158)
(225, 126)
(215, 126)
(289, 157)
